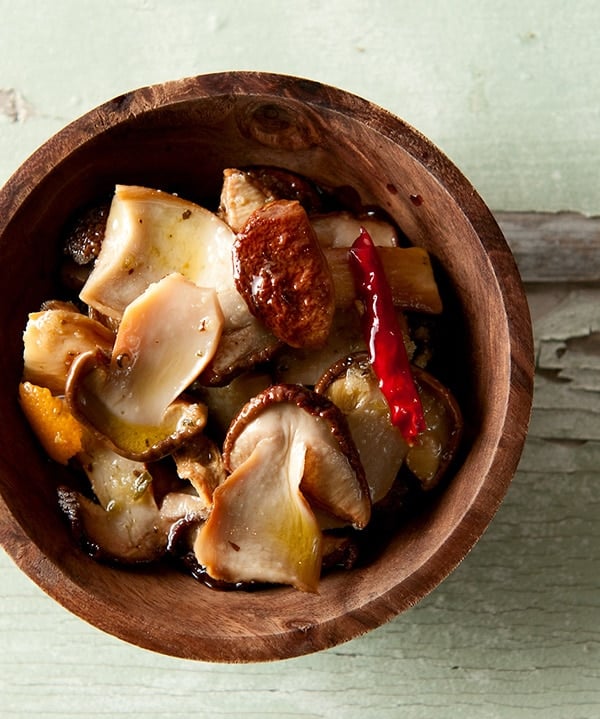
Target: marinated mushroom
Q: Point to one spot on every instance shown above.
(53, 338)
(340, 229)
(245, 190)
(170, 407)
(125, 524)
(429, 457)
(408, 272)
(288, 450)
(240, 196)
(352, 385)
(281, 272)
(166, 338)
(151, 234)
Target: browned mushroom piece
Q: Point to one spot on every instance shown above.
(240, 348)
(281, 184)
(245, 190)
(282, 274)
(240, 196)
(200, 462)
(288, 449)
(85, 235)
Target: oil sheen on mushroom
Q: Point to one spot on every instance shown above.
(288, 451)
(166, 338)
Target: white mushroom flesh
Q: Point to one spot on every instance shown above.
(261, 528)
(166, 338)
(53, 338)
(340, 229)
(150, 234)
(328, 477)
(380, 445)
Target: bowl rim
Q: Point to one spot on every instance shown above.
(30, 558)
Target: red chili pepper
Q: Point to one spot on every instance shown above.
(384, 338)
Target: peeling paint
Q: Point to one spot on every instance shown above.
(13, 106)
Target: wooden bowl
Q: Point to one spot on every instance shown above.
(180, 136)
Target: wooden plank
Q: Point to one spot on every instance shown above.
(553, 247)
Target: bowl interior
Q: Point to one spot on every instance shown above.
(179, 137)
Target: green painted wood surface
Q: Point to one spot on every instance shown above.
(509, 91)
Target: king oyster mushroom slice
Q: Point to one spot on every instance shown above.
(352, 386)
(53, 338)
(125, 524)
(150, 234)
(288, 449)
(166, 338)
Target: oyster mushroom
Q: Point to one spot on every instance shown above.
(125, 524)
(287, 450)
(166, 338)
(282, 274)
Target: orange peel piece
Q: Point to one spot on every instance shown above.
(59, 433)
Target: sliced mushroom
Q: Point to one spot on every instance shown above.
(227, 400)
(200, 462)
(53, 338)
(240, 348)
(333, 476)
(306, 366)
(340, 229)
(352, 386)
(286, 446)
(240, 196)
(261, 528)
(125, 524)
(86, 234)
(282, 274)
(408, 271)
(435, 448)
(166, 338)
(151, 234)
(280, 184)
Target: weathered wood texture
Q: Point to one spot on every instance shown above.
(553, 247)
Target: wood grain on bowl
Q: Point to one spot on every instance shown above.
(179, 137)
